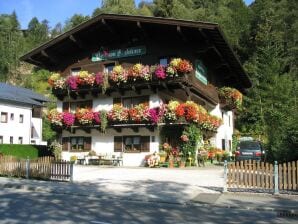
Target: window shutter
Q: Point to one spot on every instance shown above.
(65, 106)
(117, 101)
(117, 143)
(145, 140)
(65, 143)
(87, 143)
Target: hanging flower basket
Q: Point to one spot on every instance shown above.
(230, 98)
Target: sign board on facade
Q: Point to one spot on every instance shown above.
(118, 53)
(201, 72)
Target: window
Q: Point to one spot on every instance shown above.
(11, 116)
(230, 145)
(132, 143)
(11, 140)
(201, 72)
(3, 117)
(21, 118)
(73, 106)
(32, 132)
(163, 61)
(1, 139)
(223, 144)
(109, 67)
(75, 71)
(36, 112)
(76, 144)
(20, 140)
(130, 102)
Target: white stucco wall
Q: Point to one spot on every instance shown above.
(225, 131)
(103, 144)
(13, 128)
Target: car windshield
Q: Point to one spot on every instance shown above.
(249, 145)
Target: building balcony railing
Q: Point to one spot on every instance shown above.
(121, 78)
(141, 115)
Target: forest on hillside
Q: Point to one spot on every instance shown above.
(264, 35)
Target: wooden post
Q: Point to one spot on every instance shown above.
(294, 175)
(289, 177)
(254, 173)
(285, 176)
(267, 175)
(276, 189)
(71, 172)
(27, 168)
(242, 173)
(225, 176)
(280, 176)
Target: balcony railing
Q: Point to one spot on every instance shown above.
(120, 78)
(141, 115)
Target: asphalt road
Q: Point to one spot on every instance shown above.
(20, 206)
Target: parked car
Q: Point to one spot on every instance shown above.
(247, 150)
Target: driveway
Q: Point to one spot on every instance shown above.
(151, 183)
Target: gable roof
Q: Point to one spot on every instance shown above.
(20, 95)
(104, 28)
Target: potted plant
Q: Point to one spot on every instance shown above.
(163, 155)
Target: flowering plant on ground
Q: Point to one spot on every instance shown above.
(231, 97)
(166, 147)
(118, 114)
(68, 118)
(184, 138)
(118, 75)
(85, 116)
(55, 117)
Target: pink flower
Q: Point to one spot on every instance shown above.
(96, 116)
(99, 78)
(72, 82)
(160, 72)
(68, 118)
(154, 115)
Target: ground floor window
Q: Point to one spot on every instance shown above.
(131, 144)
(76, 144)
(1, 139)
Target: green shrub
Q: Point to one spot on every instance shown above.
(19, 151)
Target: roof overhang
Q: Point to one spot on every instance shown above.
(104, 29)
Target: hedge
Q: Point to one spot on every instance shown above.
(24, 151)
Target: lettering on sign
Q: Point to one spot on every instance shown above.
(118, 53)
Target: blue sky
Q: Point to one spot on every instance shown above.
(53, 10)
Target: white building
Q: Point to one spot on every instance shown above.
(20, 115)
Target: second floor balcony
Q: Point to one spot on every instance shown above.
(173, 113)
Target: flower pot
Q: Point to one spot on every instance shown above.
(182, 164)
(171, 163)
